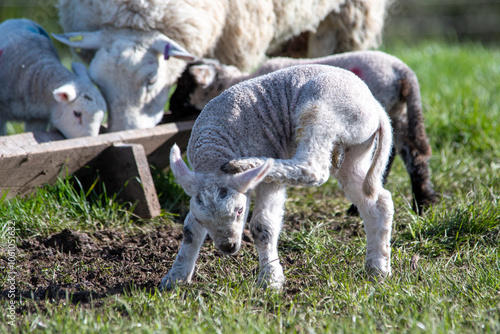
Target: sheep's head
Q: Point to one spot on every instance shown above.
(80, 107)
(219, 202)
(201, 81)
(134, 71)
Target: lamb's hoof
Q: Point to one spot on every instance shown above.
(233, 167)
(168, 283)
(424, 202)
(375, 274)
(240, 165)
(271, 279)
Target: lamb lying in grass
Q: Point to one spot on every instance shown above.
(390, 80)
(291, 127)
(39, 90)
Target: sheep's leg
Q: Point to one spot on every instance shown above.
(265, 227)
(416, 163)
(35, 125)
(183, 268)
(353, 210)
(412, 144)
(309, 167)
(376, 211)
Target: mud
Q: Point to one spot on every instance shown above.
(83, 268)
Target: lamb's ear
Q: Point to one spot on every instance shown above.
(251, 178)
(169, 48)
(80, 70)
(185, 177)
(83, 40)
(203, 75)
(65, 93)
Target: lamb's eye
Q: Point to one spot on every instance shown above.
(151, 81)
(199, 200)
(87, 97)
(240, 211)
(222, 193)
(77, 114)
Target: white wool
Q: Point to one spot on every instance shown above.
(295, 126)
(237, 32)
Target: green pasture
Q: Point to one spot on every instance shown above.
(453, 288)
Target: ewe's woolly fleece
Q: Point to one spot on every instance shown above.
(235, 32)
(259, 117)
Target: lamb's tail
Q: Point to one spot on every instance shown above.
(373, 178)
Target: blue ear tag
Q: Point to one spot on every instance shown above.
(33, 29)
(43, 32)
(39, 31)
(166, 54)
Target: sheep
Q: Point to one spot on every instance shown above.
(130, 75)
(390, 80)
(119, 40)
(295, 126)
(39, 90)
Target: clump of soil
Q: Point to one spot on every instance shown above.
(70, 242)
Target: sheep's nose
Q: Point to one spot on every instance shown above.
(228, 248)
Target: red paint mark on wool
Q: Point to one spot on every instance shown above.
(357, 71)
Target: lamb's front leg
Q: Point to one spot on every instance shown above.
(183, 268)
(265, 227)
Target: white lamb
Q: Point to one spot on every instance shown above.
(291, 127)
(39, 90)
(390, 80)
(119, 40)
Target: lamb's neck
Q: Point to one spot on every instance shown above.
(237, 79)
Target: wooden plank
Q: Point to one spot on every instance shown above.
(33, 159)
(124, 169)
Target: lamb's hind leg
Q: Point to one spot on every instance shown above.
(353, 210)
(310, 165)
(376, 211)
(265, 227)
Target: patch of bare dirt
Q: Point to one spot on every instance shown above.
(84, 268)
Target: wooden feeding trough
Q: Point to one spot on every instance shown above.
(122, 158)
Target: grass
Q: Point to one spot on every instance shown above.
(454, 288)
